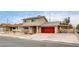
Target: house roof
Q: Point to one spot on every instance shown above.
(38, 17)
(56, 23)
(10, 25)
(63, 25)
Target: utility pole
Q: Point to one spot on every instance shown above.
(50, 16)
(7, 20)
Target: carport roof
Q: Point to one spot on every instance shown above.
(56, 23)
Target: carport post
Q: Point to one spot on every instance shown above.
(29, 28)
(56, 29)
(37, 29)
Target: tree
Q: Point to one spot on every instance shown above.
(67, 20)
(77, 27)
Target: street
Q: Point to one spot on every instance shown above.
(16, 42)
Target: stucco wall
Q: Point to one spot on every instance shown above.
(36, 21)
(56, 29)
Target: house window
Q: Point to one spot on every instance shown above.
(32, 20)
(25, 27)
(24, 21)
(14, 28)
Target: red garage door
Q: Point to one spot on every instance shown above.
(48, 29)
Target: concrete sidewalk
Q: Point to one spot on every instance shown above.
(59, 37)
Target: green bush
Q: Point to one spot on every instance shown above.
(77, 27)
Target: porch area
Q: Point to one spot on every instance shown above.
(31, 29)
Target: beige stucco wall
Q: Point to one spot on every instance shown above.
(56, 29)
(30, 30)
(39, 30)
(42, 20)
(36, 21)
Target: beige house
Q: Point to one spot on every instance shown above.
(39, 24)
(66, 28)
(33, 24)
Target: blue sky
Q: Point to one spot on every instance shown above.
(16, 16)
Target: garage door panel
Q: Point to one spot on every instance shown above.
(48, 30)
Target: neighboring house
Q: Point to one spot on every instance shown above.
(11, 27)
(17, 28)
(66, 28)
(1, 28)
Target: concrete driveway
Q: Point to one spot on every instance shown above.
(17, 42)
(39, 40)
(58, 37)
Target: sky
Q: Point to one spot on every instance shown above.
(17, 16)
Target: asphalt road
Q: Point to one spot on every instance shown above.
(16, 42)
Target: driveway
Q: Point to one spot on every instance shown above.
(39, 40)
(16, 42)
(59, 37)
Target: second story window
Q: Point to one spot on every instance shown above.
(24, 21)
(32, 20)
(28, 21)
